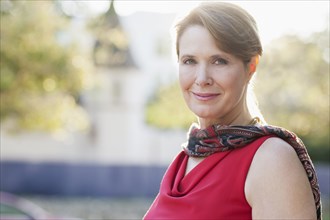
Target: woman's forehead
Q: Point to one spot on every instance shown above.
(197, 40)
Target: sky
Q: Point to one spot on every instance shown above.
(274, 18)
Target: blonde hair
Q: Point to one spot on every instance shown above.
(235, 32)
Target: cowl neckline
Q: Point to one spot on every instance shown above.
(184, 183)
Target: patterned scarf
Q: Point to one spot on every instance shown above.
(219, 138)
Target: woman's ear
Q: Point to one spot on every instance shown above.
(253, 65)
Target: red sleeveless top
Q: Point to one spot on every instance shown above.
(214, 189)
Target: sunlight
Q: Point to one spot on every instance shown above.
(82, 8)
(125, 8)
(274, 18)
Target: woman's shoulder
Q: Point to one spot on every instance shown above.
(277, 150)
(274, 158)
(276, 175)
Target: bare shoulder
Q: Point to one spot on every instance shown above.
(277, 151)
(277, 185)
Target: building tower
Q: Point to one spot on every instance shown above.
(116, 104)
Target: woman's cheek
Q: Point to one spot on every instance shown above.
(184, 79)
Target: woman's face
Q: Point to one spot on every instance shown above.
(213, 82)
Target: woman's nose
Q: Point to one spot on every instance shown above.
(202, 76)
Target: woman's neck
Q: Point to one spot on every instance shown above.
(242, 117)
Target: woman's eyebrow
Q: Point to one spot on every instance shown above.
(223, 56)
(186, 56)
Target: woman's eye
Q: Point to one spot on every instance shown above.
(189, 61)
(220, 61)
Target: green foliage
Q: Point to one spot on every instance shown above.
(40, 78)
(168, 109)
(292, 88)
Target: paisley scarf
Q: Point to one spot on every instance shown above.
(219, 138)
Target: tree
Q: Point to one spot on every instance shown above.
(168, 109)
(41, 77)
(292, 87)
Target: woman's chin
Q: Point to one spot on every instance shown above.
(205, 114)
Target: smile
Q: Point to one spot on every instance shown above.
(205, 96)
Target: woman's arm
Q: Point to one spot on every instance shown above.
(277, 186)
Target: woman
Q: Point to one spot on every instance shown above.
(233, 166)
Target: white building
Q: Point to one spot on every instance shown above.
(133, 57)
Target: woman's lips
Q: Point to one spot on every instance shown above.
(205, 96)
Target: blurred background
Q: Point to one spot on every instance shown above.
(91, 112)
